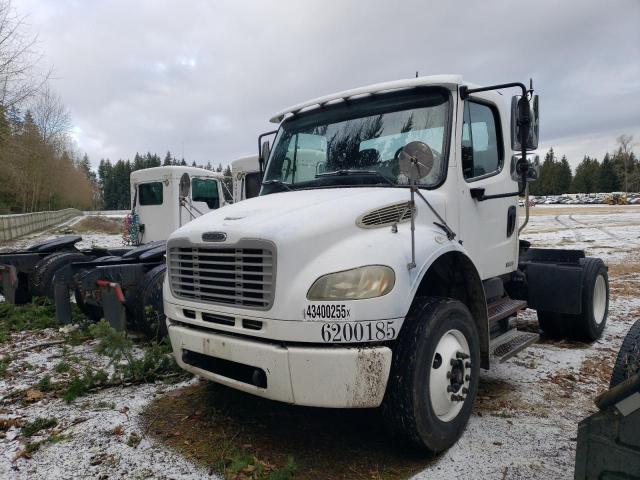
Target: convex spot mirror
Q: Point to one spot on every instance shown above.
(415, 160)
(518, 109)
(185, 185)
(533, 172)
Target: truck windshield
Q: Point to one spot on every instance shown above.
(357, 143)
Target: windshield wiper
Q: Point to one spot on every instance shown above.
(280, 183)
(345, 172)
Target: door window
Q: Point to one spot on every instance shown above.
(150, 193)
(205, 190)
(481, 149)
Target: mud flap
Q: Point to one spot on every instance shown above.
(9, 277)
(113, 304)
(555, 287)
(61, 295)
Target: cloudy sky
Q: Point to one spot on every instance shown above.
(202, 78)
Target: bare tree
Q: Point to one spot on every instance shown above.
(51, 117)
(625, 147)
(19, 79)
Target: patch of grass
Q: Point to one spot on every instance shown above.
(37, 315)
(80, 385)
(45, 384)
(285, 473)
(62, 367)
(134, 440)
(102, 405)
(155, 363)
(32, 447)
(4, 365)
(98, 224)
(241, 436)
(31, 428)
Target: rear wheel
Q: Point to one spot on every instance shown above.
(45, 269)
(589, 324)
(149, 314)
(434, 375)
(628, 360)
(89, 306)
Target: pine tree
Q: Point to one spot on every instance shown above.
(228, 181)
(586, 178)
(564, 175)
(546, 182)
(167, 159)
(608, 180)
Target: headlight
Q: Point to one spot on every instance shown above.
(355, 284)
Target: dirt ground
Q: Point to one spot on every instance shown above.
(523, 425)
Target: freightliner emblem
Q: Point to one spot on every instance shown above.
(214, 237)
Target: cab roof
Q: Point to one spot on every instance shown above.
(450, 81)
(173, 172)
(245, 164)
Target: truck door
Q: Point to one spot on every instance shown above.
(206, 194)
(153, 197)
(488, 227)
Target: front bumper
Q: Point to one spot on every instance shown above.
(332, 376)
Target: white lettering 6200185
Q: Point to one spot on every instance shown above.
(358, 331)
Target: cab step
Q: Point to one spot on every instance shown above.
(510, 343)
(503, 308)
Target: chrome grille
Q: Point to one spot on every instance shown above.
(241, 276)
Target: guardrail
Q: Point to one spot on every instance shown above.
(14, 226)
(106, 213)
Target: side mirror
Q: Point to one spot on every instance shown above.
(185, 185)
(415, 160)
(533, 171)
(265, 150)
(520, 110)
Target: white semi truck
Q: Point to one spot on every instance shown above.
(247, 178)
(117, 283)
(381, 264)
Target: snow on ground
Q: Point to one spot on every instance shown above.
(524, 423)
(89, 239)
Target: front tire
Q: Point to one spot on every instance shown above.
(434, 375)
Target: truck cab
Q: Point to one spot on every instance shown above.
(247, 178)
(381, 264)
(157, 201)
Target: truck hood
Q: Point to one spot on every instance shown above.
(315, 233)
(302, 213)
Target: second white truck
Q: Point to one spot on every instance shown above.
(381, 264)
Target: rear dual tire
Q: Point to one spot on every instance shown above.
(148, 308)
(45, 270)
(434, 375)
(590, 323)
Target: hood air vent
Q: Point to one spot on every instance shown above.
(384, 216)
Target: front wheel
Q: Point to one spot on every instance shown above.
(434, 375)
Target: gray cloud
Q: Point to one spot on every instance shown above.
(204, 77)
